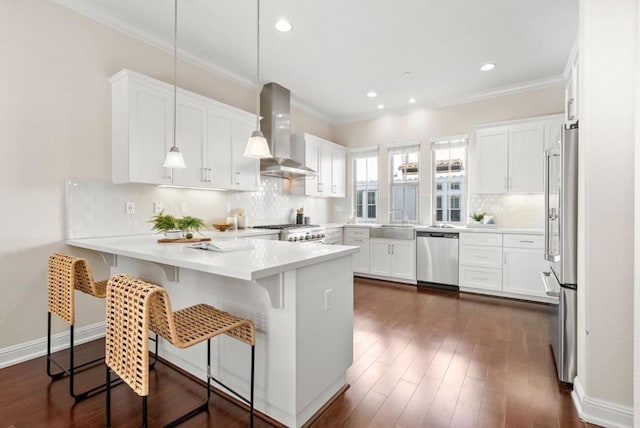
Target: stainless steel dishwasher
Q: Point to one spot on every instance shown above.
(437, 259)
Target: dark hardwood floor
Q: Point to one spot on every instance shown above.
(421, 359)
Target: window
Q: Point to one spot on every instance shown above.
(449, 178)
(404, 176)
(365, 179)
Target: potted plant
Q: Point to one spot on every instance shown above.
(477, 217)
(188, 225)
(166, 223)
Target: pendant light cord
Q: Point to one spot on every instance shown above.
(258, 70)
(175, 68)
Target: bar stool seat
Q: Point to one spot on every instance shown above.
(135, 307)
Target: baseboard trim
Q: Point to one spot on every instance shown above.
(600, 412)
(36, 348)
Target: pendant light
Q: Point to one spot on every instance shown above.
(174, 158)
(257, 146)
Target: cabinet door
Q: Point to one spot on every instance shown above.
(150, 133)
(338, 172)
(403, 255)
(491, 160)
(245, 170)
(521, 271)
(191, 139)
(312, 160)
(217, 152)
(552, 132)
(324, 169)
(525, 158)
(380, 257)
(361, 258)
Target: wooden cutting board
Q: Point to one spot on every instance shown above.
(166, 240)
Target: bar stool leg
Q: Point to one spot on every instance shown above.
(108, 383)
(253, 354)
(144, 411)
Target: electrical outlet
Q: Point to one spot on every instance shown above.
(158, 207)
(184, 208)
(328, 299)
(130, 207)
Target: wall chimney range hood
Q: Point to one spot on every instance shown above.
(275, 105)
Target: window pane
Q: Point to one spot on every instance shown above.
(371, 211)
(449, 178)
(438, 215)
(455, 202)
(359, 195)
(411, 211)
(455, 215)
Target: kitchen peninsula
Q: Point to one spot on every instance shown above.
(300, 297)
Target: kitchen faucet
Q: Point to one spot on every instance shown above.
(402, 218)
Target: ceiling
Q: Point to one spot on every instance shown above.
(339, 50)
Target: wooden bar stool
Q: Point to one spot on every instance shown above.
(65, 275)
(134, 308)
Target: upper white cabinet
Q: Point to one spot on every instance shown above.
(571, 96)
(328, 160)
(509, 157)
(210, 135)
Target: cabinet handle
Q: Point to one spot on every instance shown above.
(505, 258)
(320, 187)
(333, 188)
(388, 249)
(393, 250)
(480, 278)
(238, 177)
(527, 242)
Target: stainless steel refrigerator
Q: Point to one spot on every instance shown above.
(561, 224)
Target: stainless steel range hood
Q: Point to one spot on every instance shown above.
(275, 105)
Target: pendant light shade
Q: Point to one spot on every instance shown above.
(174, 158)
(257, 146)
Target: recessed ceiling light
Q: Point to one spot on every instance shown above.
(407, 74)
(372, 94)
(283, 25)
(488, 66)
(412, 100)
(380, 106)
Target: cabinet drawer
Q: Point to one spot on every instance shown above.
(482, 278)
(490, 257)
(485, 239)
(335, 233)
(356, 242)
(524, 241)
(356, 232)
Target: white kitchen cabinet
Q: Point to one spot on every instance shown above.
(328, 160)
(359, 237)
(393, 258)
(333, 235)
(508, 158)
(571, 96)
(480, 261)
(523, 262)
(210, 135)
(142, 129)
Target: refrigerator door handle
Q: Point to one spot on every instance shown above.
(547, 240)
(549, 290)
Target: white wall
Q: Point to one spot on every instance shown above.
(422, 124)
(55, 123)
(608, 57)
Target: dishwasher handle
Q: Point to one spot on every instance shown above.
(437, 235)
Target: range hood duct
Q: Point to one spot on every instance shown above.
(275, 105)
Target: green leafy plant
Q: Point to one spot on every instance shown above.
(164, 222)
(190, 224)
(477, 216)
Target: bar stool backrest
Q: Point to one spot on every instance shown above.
(64, 275)
(127, 330)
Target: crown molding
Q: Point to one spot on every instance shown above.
(495, 93)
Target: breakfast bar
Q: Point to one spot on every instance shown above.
(299, 296)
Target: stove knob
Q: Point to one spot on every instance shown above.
(307, 237)
(295, 238)
(290, 239)
(321, 235)
(313, 236)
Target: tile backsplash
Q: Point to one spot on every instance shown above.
(97, 208)
(511, 211)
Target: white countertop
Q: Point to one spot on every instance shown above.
(461, 229)
(266, 259)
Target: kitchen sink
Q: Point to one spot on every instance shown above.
(393, 231)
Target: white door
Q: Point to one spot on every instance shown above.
(338, 172)
(491, 160)
(380, 257)
(526, 158)
(403, 254)
(150, 133)
(191, 138)
(521, 271)
(217, 152)
(245, 170)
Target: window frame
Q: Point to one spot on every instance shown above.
(405, 148)
(355, 155)
(448, 191)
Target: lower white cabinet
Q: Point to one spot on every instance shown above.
(333, 235)
(506, 265)
(393, 258)
(358, 237)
